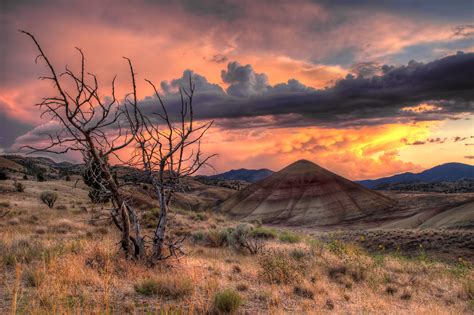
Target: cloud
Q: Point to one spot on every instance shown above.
(244, 81)
(366, 69)
(432, 91)
(439, 140)
(470, 157)
(10, 129)
(200, 82)
(457, 139)
(219, 58)
(356, 153)
(464, 30)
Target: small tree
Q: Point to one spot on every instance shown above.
(49, 198)
(168, 149)
(19, 187)
(40, 177)
(95, 126)
(3, 175)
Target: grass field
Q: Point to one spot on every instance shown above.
(64, 260)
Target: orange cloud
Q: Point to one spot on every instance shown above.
(355, 153)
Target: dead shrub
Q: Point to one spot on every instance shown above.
(303, 292)
(278, 267)
(62, 226)
(406, 295)
(242, 287)
(33, 278)
(19, 187)
(391, 290)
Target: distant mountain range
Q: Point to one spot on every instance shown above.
(449, 172)
(453, 177)
(251, 176)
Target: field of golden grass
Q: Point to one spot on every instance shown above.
(63, 261)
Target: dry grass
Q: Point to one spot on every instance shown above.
(57, 261)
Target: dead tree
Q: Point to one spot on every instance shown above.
(168, 149)
(97, 127)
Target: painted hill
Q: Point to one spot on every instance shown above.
(461, 217)
(305, 194)
(448, 172)
(251, 176)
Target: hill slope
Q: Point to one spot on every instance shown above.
(441, 173)
(305, 194)
(251, 176)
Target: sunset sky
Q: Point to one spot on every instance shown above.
(365, 90)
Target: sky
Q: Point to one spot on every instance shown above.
(366, 90)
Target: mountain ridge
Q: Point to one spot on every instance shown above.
(248, 175)
(447, 172)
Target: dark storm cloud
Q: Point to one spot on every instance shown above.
(200, 82)
(447, 10)
(366, 69)
(225, 10)
(244, 81)
(393, 96)
(10, 129)
(353, 101)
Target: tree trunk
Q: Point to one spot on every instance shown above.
(159, 236)
(128, 243)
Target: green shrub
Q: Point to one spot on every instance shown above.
(21, 251)
(263, 232)
(227, 301)
(150, 218)
(49, 198)
(171, 287)
(316, 246)
(242, 239)
(337, 247)
(289, 237)
(218, 238)
(199, 236)
(200, 217)
(461, 269)
(298, 254)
